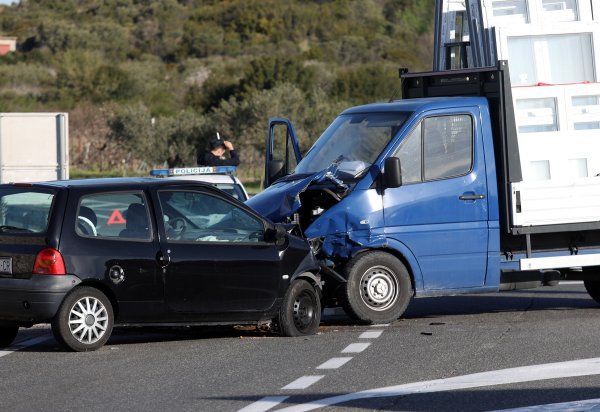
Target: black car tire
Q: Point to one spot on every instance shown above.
(378, 288)
(300, 312)
(8, 335)
(593, 289)
(84, 320)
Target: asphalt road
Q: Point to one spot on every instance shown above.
(464, 353)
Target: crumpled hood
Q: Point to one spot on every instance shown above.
(281, 199)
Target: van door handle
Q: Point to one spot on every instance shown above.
(471, 197)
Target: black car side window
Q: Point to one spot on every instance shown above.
(201, 217)
(114, 215)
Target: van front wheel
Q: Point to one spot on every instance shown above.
(378, 288)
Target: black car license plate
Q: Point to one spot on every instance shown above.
(6, 266)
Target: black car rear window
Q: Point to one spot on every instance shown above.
(24, 210)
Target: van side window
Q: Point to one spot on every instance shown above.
(447, 146)
(439, 147)
(410, 157)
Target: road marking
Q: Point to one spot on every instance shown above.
(586, 405)
(380, 325)
(303, 382)
(334, 363)
(571, 282)
(581, 367)
(356, 347)
(264, 404)
(373, 334)
(25, 344)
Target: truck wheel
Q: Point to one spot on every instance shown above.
(378, 288)
(8, 335)
(593, 289)
(300, 312)
(84, 320)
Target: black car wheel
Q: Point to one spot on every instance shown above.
(300, 312)
(8, 335)
(378, 288)
(84, 321)
(593, 289)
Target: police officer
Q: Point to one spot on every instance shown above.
(216, 155)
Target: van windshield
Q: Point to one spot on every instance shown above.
(354, 139)
(24, 210)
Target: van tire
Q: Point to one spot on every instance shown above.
(84, 320)
(378, 288)
(593, 289)
(8, 335)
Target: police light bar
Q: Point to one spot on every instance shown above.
(203, 170)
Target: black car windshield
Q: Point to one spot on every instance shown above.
(24, 210)
(356, 139)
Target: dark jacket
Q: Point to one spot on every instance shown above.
(209, 159)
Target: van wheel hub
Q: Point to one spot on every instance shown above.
(379, 288)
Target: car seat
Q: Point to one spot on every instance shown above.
(136, 225)
(87, 221)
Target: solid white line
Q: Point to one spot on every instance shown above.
(581, 367)
(356, 347)
(334, 363)
(25, 344)
(264, 404)
(586, 405)
(304, 382)
(371, 334)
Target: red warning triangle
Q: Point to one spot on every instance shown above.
(116, 218)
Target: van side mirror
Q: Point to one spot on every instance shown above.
(392, 174)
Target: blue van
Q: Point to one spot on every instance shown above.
(421, 197)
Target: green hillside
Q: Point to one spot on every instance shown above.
(150, 81)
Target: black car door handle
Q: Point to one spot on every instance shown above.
(471, 197)
(163, 259)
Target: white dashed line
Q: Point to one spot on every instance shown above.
(373, 334)
(586, 405)
(334, 363)
(25, 344)
(380, 325)
(558, 370)
(303, 382)
(264, 404)
(356, 347)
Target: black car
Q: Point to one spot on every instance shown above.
(87, 254)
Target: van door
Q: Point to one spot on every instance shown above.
(283, 150)
(441, 210)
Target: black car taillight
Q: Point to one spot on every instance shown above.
(49, 262)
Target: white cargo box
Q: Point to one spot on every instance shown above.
(553, 202)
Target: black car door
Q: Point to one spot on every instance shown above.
(109, 236)
(216, 258)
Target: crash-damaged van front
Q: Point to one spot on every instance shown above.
(334, 196)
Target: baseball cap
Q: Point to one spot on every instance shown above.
(214, 143)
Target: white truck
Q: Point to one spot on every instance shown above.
(34, 147)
